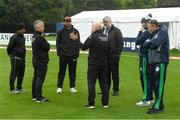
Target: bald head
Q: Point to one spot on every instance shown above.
(96, 26)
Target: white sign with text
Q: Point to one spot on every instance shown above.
(5, 37)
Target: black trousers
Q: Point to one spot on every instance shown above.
(146, 83)
(40, 71)
(158, 77)
(113, 72)
(17, 71)
(72, 63)
(95, 72)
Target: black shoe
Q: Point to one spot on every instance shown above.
(99, 93)
(115, 93)
(43, 97)
(89, 106)
(42, 100)
(154, 111)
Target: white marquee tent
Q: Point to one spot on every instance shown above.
(129, 21)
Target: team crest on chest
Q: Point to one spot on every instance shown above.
(157, 69)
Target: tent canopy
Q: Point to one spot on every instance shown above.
(129, 21)
(133, 15)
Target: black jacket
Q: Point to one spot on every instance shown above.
(16, 46)
(115, 43)
(40, 48)
(66, 46)
(98, 45)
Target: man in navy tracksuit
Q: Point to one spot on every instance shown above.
(158, 58)
(144, 66)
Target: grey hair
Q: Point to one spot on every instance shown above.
(37, 23)
(106, 17)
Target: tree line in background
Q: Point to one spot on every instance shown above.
(53, 11)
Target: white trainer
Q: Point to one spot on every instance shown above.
(59, 90)
(73, 90)
(13, 92)
(33, 99)
(89, 106)
(20, 90)
(152, 102)
(143, 103)
(106, 106)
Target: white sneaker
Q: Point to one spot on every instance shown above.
(143, 103)
(20, 91)
(106, 106)
(33, 99)
(73, 90)
(89, 106)
(152, 101)
(59, 90)
(13, 92)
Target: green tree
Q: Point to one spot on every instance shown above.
(168, 3)
(15, 11)
(53, 11)
(138, 4)
(27, 11)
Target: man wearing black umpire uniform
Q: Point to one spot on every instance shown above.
(67, 45)
(40, 49)
(115, 39)
(158, 58)
(97, 44)
(16, 50)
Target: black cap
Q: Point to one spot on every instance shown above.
(144, 20)
(20, 26)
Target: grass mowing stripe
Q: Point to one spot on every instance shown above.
(70, 106)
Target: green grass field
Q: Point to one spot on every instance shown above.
(50, 38)
(70, 106)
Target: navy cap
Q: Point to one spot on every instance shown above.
(20, 26)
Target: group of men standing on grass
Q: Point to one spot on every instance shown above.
(105, 45)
